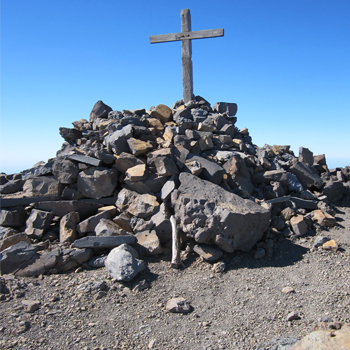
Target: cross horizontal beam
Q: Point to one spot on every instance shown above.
(198, 34)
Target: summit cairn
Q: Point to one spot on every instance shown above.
(181, 180)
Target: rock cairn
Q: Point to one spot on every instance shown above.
(107, 197)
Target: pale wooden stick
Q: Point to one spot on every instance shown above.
(176, 259)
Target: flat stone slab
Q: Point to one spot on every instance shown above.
(85, 159)
(103, 242)
(61, 208)
(207, 252)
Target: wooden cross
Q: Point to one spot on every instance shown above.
(186, 35)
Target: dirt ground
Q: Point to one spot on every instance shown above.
(240, 308)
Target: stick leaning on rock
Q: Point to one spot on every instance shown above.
(176, 259)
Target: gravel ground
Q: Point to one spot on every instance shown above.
(238, 309)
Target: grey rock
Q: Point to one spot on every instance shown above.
(61, 208)
(292, 316)
(89, 224)
(105, 158)
(91, 287)
(122, 263)
(42, 186)
(306, 176)
(148, 243)
(68, 224)
(103, 242)
(184, 119)
(212, 172)
(85, 160)
(225, 107)
(294, 184)
(13, 239)
(239, 174)
(107, 227)
(13, 257)
(124, 161)
(70, 134)
(50, 259)
(7, 232)
(80, 256)
(210, 214)
(100, 110)
(165, 166)
(319, 241)
(65, 171)
(31, 305)
(162, 225)
(271, 175)
(97, 261)
(178, 305)
(334, 190)
(117, 141)
(306, 156)
(38, 223)
(42, 169)
(15, 217)
(12, 186)
(139, 205)
(169, 187)
(97, 182)
(207, 252)
(304, 203)
(260, 253)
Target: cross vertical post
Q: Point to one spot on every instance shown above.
(186, 35)
(186, 48)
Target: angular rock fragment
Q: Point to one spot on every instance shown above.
(89, 224)
(137, 173)
(65, 171)
(68, 223)
(149, 243)
(42, 186)
(15, 217)
(207, 252)
(210, 171)
(97, 182)
(12, 258)
(100, 110)
(117, 141)
(324, 219)
(178, 305)
(306, 176)
(122, 263)
(38, 223)
(299, 225)
(125, 161)
(139, 205)
(225, 107)
(107, 227)
(13, 239)
(163, 113)
(139, 147)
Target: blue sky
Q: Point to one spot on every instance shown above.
(285, 63)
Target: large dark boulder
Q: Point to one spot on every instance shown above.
(210, 214)
(100, 110)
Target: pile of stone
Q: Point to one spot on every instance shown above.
(107, 196)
